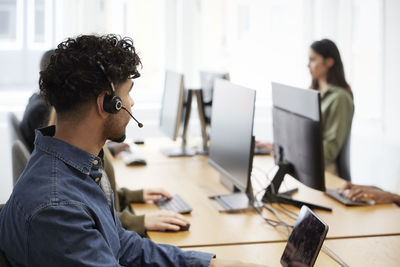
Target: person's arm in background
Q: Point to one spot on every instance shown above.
(367, 193)
(337, 124)
(154, 221)
(267, 146)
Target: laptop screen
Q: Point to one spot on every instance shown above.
(305, 241)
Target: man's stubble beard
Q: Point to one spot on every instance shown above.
(114, 130)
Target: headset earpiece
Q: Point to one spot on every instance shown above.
(112, 103)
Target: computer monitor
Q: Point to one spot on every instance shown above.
(231, 139)
(298, 149)
(204, 104)
(207, 79)
(175, 111)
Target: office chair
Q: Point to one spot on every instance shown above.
(20, 156)
(343, 159)
(15, 130)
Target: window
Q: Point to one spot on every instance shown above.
(40, 24)
(10, 24)
(366, 61)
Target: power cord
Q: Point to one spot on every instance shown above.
(291, 214)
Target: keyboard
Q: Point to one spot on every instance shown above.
(333, 193)
(176, 203)
(132, 158)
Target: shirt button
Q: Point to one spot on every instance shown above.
(97, 179)
(95, 162)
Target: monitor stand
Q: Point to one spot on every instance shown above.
(236, 202)
(271, 196)
(203, 149)
(183, 150)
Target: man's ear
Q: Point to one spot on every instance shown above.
(99, 105)
(329, 62)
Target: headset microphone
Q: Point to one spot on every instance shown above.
(112, 103)
(138, 123)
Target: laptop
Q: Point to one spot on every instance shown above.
(334, 193)
(306, 240)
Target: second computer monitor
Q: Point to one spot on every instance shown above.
(231, 138)
(297, 130)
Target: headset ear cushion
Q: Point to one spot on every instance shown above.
(112, 103)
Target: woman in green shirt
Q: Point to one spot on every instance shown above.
(337, 108)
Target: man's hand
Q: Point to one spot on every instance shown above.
(155, 194)
(367, 193)
(232, 263)
(164, 220)
(265, 146)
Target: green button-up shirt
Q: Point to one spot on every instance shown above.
(337, 110)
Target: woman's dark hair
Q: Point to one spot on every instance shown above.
(327, 49)
(73, 76)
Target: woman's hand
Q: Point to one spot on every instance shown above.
(366, 193)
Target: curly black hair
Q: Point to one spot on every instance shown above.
(73, 76)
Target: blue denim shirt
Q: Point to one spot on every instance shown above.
(58, 215)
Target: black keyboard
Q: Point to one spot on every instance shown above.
(176, 203)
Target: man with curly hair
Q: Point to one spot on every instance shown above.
(61, 212)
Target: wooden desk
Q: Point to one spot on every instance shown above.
(366, 251)
(195, 180)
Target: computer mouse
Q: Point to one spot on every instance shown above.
(138, 142)
(184, 228)
(137, 162)
(181, 228)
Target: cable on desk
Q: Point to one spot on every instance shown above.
(283, 210)
(273, 223)
(333, 256)
(291, 215)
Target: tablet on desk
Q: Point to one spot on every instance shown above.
(305, 241)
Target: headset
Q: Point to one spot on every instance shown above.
(112, 103)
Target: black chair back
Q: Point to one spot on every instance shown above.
(343, 160)
(15, 130)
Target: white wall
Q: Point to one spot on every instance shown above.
(392, 70)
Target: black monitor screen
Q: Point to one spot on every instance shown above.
(232, 132)
(297, 130)
(172, 104)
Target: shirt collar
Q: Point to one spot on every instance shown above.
(69, 154)
(328, 91)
